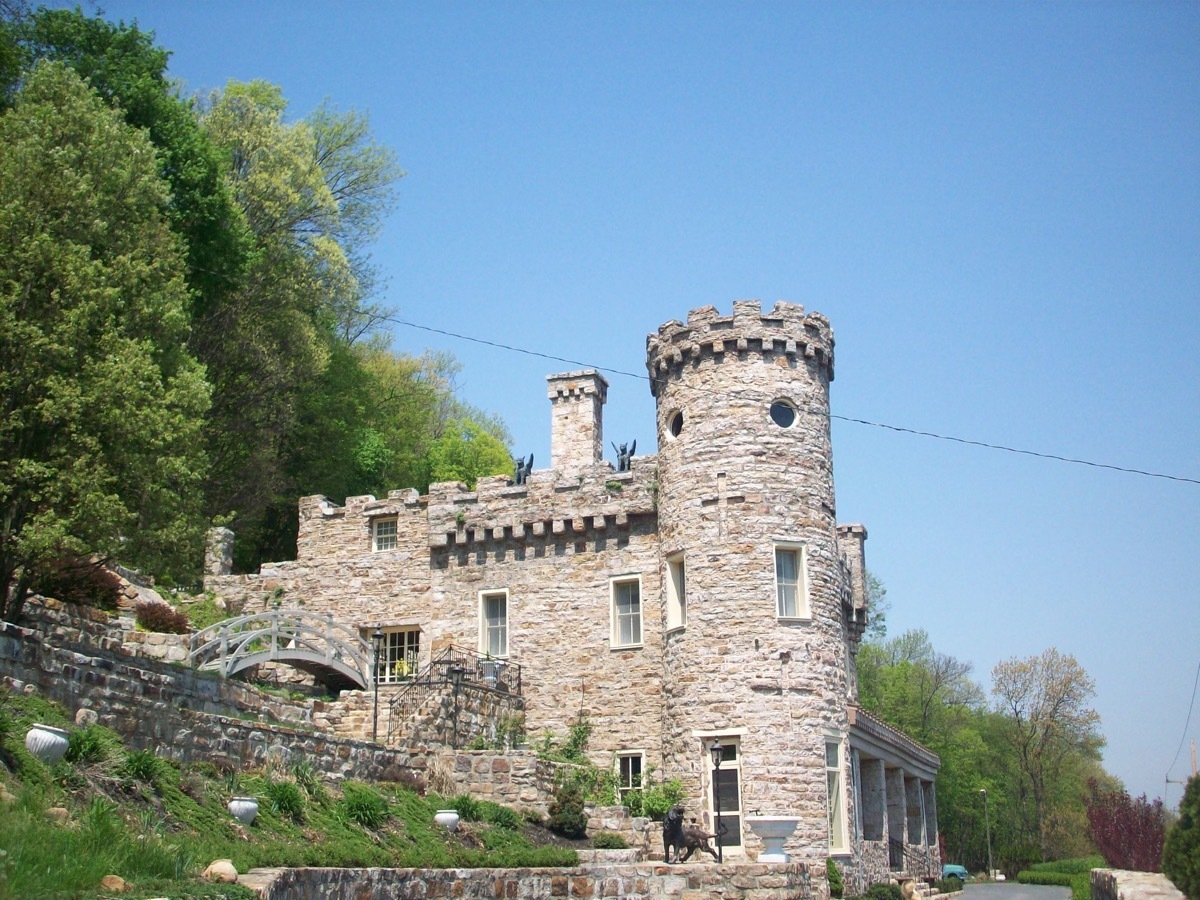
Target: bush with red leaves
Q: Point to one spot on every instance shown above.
(1128, 831)
(76, 579)
(161, 617)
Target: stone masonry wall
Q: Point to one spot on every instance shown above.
(1117, 884)
(553, 544)
(178, 712)
(788, 881)
(735, 484)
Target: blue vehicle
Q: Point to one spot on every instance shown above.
(950, 870)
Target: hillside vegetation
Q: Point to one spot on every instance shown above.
(105, 810)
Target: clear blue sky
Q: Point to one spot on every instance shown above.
(997, 206)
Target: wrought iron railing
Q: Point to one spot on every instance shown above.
(909, 857)
(449, 668)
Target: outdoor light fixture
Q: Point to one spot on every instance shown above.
(716, 751)
(987, 820)
(377, 645)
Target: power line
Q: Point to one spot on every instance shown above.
(1186, 723)
(897, 428)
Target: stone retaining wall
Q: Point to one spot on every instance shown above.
(1117, 884)
(689, 882)
(179, 712)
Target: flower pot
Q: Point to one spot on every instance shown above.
(46, 742)
(773, 831)
(244, 809)
(447, 818)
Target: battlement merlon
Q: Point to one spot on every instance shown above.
(785, 330)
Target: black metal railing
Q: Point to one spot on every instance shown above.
(450, 668)
(912, 858)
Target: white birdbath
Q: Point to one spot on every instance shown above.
(773, 831)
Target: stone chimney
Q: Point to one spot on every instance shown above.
(576, 419)
(851, 540)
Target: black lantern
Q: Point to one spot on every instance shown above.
(716, 751)
(377, 646)
(456, 673)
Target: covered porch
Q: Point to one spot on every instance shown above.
(895, 805)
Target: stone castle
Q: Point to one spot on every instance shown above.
(703, 595)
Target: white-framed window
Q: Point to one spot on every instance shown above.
(383, 534)
(676, 592)
(626, 612)
(836, 795)
(630, 766)
(791, 582)
(399, 655)
(493, 623)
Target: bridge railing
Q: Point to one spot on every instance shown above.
(282, 635)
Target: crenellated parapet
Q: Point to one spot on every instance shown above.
(785, 332)
(594, 500)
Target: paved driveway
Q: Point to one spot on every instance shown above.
(1010, 890)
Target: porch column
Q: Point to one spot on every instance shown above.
(895, 805)
(874, 799)
(913, 797)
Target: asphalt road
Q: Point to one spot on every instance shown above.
(1010, 890)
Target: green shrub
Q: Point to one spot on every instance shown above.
(161, 617)
(286, 799)
(834, 874)
(566, 813)
(1080, 883)
(1181, 851)
(142, 765)
(609, 840)
(948, 885)
(500, 816)
(90, 745)
(468, 808)
(884, 892)
(659, 799)
(1080, 865)
(364, 806)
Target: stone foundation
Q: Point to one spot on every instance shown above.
(690, 882)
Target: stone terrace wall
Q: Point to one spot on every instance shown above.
(513, 778)
(1117, 884)
(179, 712)
(752, 881)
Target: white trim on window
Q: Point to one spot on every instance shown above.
(676, 592)
(493, 623)
(835, 797)
(625, 612)
(630, 770)
(791, 581)
(384, 533)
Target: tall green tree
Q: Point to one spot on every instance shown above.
(312, 195)
(1053, 731)
(466, 452)
(100, 427)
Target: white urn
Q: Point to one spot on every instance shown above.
(447, 818)
(773, 831)
(244, 809)
(47, 743)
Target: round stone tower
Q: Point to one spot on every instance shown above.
(755, 588)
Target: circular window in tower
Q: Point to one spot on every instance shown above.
(783, 414)
(675, 423)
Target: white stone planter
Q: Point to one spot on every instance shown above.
(447, 818)
(244, 809)
(773, 831)
(47, 743)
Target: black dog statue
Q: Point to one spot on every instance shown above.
(673, 833)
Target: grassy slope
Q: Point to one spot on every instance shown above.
(157, 825)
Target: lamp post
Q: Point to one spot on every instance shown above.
(456, 673)
(715, 750)
(377, 646)
(987, 820)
